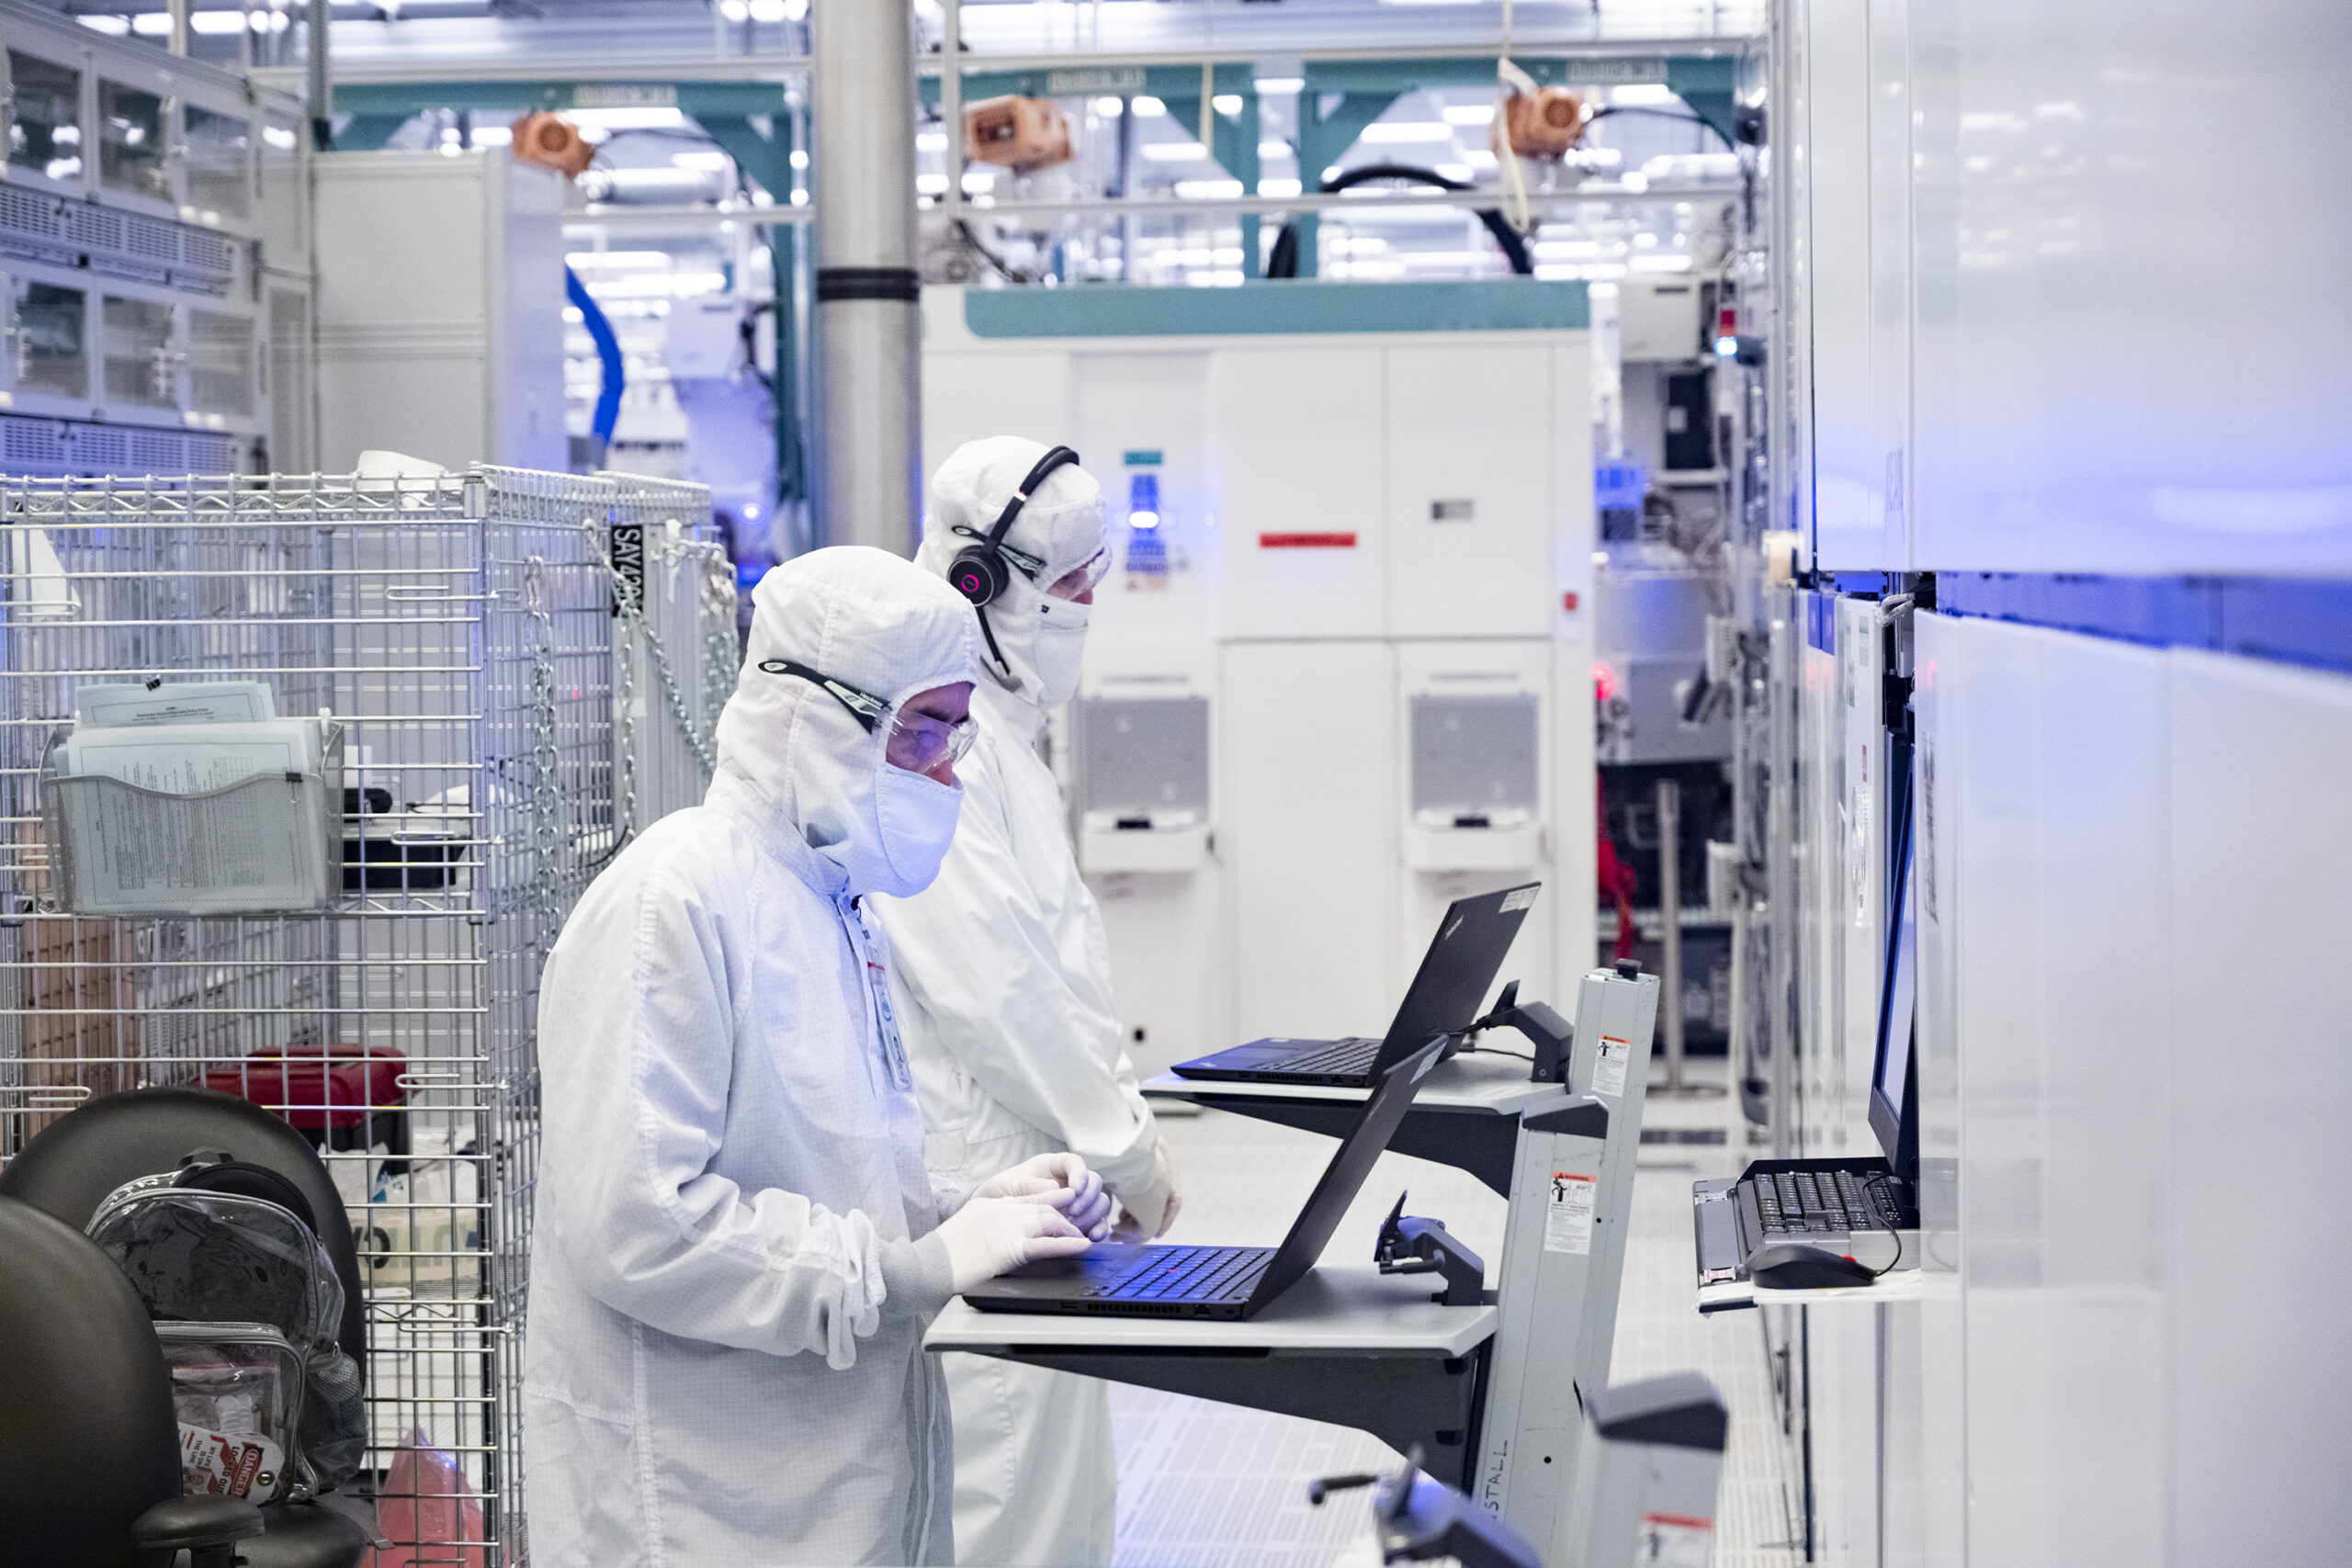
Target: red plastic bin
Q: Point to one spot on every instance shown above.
(344, 1097)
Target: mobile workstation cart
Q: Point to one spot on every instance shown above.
(1494, 1393)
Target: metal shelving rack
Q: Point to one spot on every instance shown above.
(460, 628)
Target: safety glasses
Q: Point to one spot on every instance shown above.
(916, 742)
(1081, 578)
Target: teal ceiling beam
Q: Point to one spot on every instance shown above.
(367, 132)
(407, 98)
(1708, 85)
(1099, 81)
(1325, 130)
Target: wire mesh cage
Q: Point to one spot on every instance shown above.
(459, 630)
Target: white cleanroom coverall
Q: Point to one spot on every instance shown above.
(735, 1253)
(1004, 988)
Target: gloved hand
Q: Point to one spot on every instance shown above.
(988, 1236)
(1061, 1179)
(1151, 1209)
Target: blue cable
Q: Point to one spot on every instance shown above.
(608, 353)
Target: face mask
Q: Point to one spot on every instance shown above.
(1061, 650)
(915, 818)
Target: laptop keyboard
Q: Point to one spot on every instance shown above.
(1353, 1054)
(1805, 1202)
(1187, 1274)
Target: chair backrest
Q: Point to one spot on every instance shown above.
(88, 1441)
(73, 1163)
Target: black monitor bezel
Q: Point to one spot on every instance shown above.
(1895, 1124)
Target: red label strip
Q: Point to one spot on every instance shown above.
(1306, 541)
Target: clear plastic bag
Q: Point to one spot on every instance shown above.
(234, 1390)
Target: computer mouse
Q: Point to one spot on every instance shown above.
(1791, 1265)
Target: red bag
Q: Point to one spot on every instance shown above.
(427, 1511)
(317, 1088)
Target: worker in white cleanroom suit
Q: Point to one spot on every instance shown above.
(1004, 990)
(736, 1247)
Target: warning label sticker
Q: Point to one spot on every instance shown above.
(1674, 1541)
(1568, 1218)
(1520, 898)
(1610, 1063)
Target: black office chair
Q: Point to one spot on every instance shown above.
(89, 1448)
(72, 1165)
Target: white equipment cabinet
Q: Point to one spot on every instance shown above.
(440, 308)
(154, 269)
(1339, 670)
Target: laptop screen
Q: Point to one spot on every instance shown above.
(1344, 1177)
(1465, 955)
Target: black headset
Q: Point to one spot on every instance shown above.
(982, 571)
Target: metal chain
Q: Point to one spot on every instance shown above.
(722, 651)
(546, 830)
(624, 710)
(703, 738)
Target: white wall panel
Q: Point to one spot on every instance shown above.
(1849, 461)
(1013, 392)
(1467, 434)
(2060, 832)
(2135, 886)
(1309, 836)
(1929, 1380)
(440, 309)
(1886, 474)
(2261, 993)
(2139, 365)
(1281, 475)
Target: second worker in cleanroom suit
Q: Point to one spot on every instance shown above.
(737, 1247)
(1004, 982)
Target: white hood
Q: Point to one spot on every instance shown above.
(866, 617)
(1062, 525)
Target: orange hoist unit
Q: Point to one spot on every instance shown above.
(553, 143)
(1021, 134)
(1546, 124)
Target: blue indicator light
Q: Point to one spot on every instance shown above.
(1143, 501)
(1619, 483)
(1725, 348)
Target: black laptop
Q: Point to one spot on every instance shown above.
(1462, 962)
(1121, 1281)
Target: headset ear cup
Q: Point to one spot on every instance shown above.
(977, 574)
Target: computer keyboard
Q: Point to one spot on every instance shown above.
(1187, 1274)
(1353, 1054)
(1805, 1202)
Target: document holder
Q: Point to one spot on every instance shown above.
(268, 844)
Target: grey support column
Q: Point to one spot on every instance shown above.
(867, 321)
(320, 75)
(1669, 913)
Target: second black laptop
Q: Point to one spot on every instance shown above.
(1463, 959)
(1215, 1281)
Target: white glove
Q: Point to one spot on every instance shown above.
(1153, 1208)
(1061, 1179)
(988, 1236)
